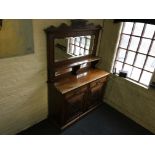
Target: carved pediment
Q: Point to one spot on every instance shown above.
(76, 24)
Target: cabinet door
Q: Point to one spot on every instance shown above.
(74, 103)
(96, 91)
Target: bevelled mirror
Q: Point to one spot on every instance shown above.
(72, 47)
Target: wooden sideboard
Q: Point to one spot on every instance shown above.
(75, 96)
(75, 85)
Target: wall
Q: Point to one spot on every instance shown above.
(133, 100)
(21, 32)
(23, 88)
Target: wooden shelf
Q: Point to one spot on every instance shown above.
(152, 85)
(75, 65)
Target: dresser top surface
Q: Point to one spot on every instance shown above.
(75, 81)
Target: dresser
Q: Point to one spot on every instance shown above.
(75, 85)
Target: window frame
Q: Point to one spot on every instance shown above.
(147, 55)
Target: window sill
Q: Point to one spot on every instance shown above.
(135, 83)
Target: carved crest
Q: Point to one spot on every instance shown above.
(75, 25)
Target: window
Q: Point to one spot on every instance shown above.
(79, 46)
(136, 52)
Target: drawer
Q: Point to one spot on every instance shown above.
(98, 82)
(77, 91)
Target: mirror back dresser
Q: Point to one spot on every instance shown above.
(75, 85)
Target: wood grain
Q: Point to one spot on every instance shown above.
(72, 82)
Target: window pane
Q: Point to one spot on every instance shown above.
(87, 47)
(71, 48)
(71, 40)
(77, 50)
(130, 57)
(149, 31)
(88, 42)
(128, 69)
(81, 51)
(152, 51)
(140, 59)
(144, 47)
(118, 66)
(127, 27)
(145, 78)
(135, 74)
(124, 41)
(134, 43)
(121, 55)
(82, 42)
(150, 64)
(138, 29)
(86, 52)
(77, 40)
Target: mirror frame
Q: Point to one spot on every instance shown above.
(77, 28)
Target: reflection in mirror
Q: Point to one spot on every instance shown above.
(71, 47)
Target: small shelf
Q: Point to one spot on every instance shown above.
(76, 65)
(152, 85)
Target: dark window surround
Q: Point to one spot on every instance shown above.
(147, 21)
